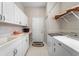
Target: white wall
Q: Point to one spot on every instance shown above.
(49, 7)
(52, 25)
(68, 5)
(33, 12)
(19, 4)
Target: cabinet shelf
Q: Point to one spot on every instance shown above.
(8, 23)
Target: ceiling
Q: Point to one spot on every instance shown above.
(34, 4)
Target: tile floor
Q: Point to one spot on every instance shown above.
(37, 51)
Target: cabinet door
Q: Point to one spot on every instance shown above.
(10, 50)
(70, 50)
(25, 44)
(18, 50)
(1, 11)
(26, 18)
(24, 22)
(9, 11)
(3, 51)
(23, 18)
(17, 15)
(7, 50)
(22, 46)
(0, 8)
(50, 45)
(15, 47)
(20, 16)
(59, 50)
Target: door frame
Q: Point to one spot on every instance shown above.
(44, 24)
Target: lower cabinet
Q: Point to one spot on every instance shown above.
(50, 45)
(59, 51)
(25, 44)
(6, 51)
(17, 48)
(57, 48)
(22, 47)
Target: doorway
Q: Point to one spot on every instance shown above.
(38, 30)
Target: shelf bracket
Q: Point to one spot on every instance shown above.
(75, 15)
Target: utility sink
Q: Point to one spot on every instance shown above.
(57, 34)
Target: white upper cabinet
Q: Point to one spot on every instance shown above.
(17, 15)
(20, 16)
(25, 44)
(50, 43)
(11, 13)
(0, 10)
(0, 7)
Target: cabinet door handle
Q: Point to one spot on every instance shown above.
(54, 44)
(19, 22)
(59, 44)
(4, 17)
(14, 52)
(0, 17)
(54, 49)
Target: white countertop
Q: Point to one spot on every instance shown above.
(13, 39)
(74, 44)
